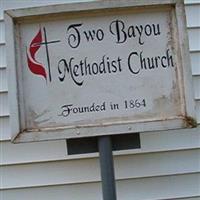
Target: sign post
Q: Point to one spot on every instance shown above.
(107, 168)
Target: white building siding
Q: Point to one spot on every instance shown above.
(168, 188)
(166, 167)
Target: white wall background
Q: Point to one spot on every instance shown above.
(166, 167)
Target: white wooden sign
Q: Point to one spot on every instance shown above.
(98, 68)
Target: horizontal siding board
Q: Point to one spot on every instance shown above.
(2, 55)
(193, 15)
(194, 39)
(87, 170)
(157, 164)
(2, 32)
(1, 10)
(3, 80)
(89, 191)
(3, 66)
(30, 3)
(195, 62)
(163, 188)
(196, 86)
(170, 140)
(4, 131)
(4, 110)
(198, 111)
(187, 198)
(56, 150)
(191, 2)
(169, 187)
(40, 152)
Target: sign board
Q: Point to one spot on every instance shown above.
(98, 68)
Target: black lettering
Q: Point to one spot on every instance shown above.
(169, 59)
(119, 63)
(100, 34)
(131, 31)
(62, 71)
(74, 38)
(148, 30)
(95, 68)
(87, 67)
(151, 63)
(102, 68)
(90, 35)
(65, 110)
(71, 73)
(97, 108)
(156, 61)
(129, 63)
(163, 58)
(108, 64)
(113, 64)
(81, 66)
(140, 30)
(75, 69)
(117, 29)
(156, 29)
(142, 61)
(75, 110)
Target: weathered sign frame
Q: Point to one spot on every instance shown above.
(18, 130)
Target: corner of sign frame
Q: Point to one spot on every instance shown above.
(190, 122)
(14, 138)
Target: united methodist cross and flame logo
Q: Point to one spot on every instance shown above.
(33, 64)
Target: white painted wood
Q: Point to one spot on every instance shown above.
(82, 6)
(3, 80)
(3, 66)
(194, 39)
(87, 170)
(170, 140)
(4, 5)
(170, 187)
(1, 10)
(4, 129)
(162, 188)
(56, 150)
(89, 191)
(195, 62)
(198, 111)
(4, 110)
(183, 49)
(40, 152)
(196, 85)
(192, 2)
(2, 32)
(29, 3)
(9, 4)
(12, 82)
(193, 15)
(188, 198)
(33, 136)
(2, 55)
